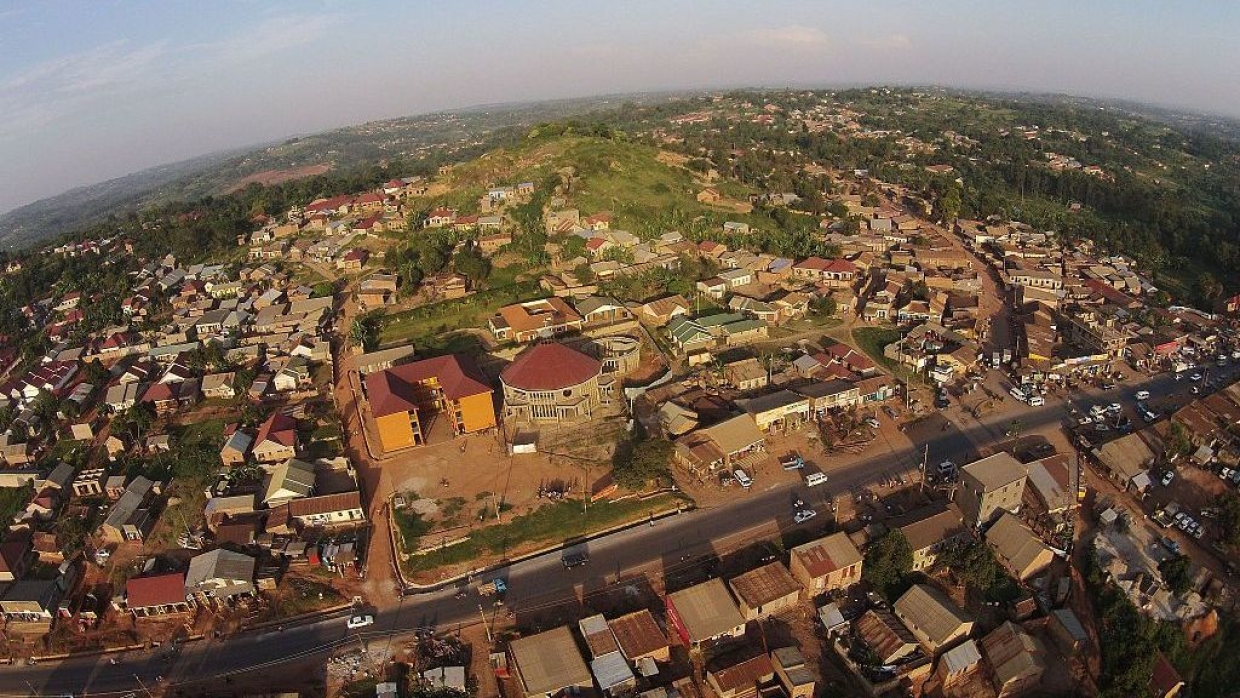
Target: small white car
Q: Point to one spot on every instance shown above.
(1196, 377)
(804, 515)
(360, 621)
(873, 423)
(1168, 477)
(1115, 408)
(742, 477)
(1097, 410)
(1143, 394)
(1085, 421)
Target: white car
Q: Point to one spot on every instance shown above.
(1085, 421)
(873, 423)
(1168, 477)
(1196, 377)
(742, 477)
(1143, 394)
(804, 515)
(1097, 411)
(1115, 408)
(360, 621)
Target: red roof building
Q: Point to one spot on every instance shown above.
(553, 383)
(451, 385)
(157, 595)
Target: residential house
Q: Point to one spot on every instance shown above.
(640, 638)
(990, 485)
(932, 617)
(827, 564)
(549, 664)
(723, 446)
(218, 386)
(704, 613)
(931, 529)
(1017, 549)
(130, 518)
(219, 575)
(958, 663)
(288, 481)
(660, 312)
(1017, 659)
(157, 595)
(236, 448)
(329, 510)
(885, 635)
(765, 591)
(831, 273)
(526, 322)
(743, 679)
(277, 439)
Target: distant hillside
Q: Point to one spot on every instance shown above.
(410, 138)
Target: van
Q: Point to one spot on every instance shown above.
(742, 477)
(815, 479)
(1018, 394)
(1036, 401)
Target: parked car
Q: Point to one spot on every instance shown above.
(804, 515)
(1171, 546)
(572, 560)
(360, 621)
(1115, 408)
(792, 462)
(1168, 477)
(1195, 377)
(1085, 421)
(873, 423)
(947, 468)
(1143, 394)
(742, 477)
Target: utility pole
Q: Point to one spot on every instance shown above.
(925, 455)
(141, 685)
(485, 624)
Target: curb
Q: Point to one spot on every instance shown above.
(412, 589)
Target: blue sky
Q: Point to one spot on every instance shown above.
(95, 89)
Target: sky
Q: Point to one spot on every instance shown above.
(96, 89)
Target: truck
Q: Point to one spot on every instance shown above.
(493, 587)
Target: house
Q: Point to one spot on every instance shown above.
(765, 591)
(932, 617)
(89, 483)
(329, 510)
(122, 396)
(440, 217)
(404, 396)
(218, 386)
(745, 375)
(929, 530)
(277, 439)
(353, 260)
(157, 595)
(287, 481)
(959, 662)
(130, 518)
(597, 311)
(704, 613)
(1017, 549)
(659, 312)
(526, 322)
(549, 664)
(743, 679)
(1067, 631)
(1126, 460)
(612, 673)
(725, 445)
(779, 411)
(236, 448)
(294, 375)
(709, 195)
(1016, 658)
(640, 638)
(220, 575)
(32, 601)
(885, 635)
(794, 675)
(687, 335)
(15, 554)
(552, 383)
(989, 485)
(831, 273)
(827, 564)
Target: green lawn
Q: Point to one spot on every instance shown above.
(871, 340)
(458, 313)
(551, 523)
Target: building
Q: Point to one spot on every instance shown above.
(765, 591)
(1126, 460)
(526, 322)
(287, 481)
(277, 439)
(743, 679)
(961, 661)
(130, 517)
(403, 397)
(157, 595)
(726, 445)
(1017, 660)
(659, 312)
(931, 529)
(549, 664)
(827, 564)
(1067, 631)
(220, 575)
(989, 485)
(551, 383)
(885, 635)
(704, 613)
(781, 410)
(1017, 549)
(640, 637)
(236, 448)
(796, 678)
(329, 510)
(933, 619)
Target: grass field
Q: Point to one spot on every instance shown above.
(459, 313)
(557, 522)
(872, 340)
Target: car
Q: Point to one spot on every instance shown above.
(1085, 421)
(1107, 386)
(1168, 477)
(572, 560)
(1097, 410)
(1115, 408)
(362, 621)
(1149, 416)
(1225, 474)
(889, 412)
(1143, 395)
(1180, 518)
(1222, 361)
(1198, 531)
(947, 468)
(1236, 354)
(1037, 401)
(742, 477)
(1195, 377)
(873, 423)
(1171, 546)
(1179, 376)
(804, 515)
(792, 462)
(1018, 394)
(1101, 427)
(941, 402)
(1196, 390)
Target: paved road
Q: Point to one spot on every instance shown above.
(671, 545)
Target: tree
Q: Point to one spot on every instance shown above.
(824, 305)
(972, 563)
(323, 289)
(887, 563)
(1229, 518)
(1208, 286)
(639, 461)
(1177, 572)
(365, 330)
(472, 264)
(1178, 442)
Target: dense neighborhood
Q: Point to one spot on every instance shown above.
(947, 455)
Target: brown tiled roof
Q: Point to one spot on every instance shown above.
(551, 310)
(280, 428)
(764, 585)
(157, 590)
(638, 634)
(393, 391)
(550, 367)
(744, 675)
(325, 504)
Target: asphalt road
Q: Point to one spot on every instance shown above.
(666, 548)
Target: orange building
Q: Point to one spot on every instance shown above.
(401, 398)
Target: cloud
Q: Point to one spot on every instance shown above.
(891, 42)
(797, 37)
